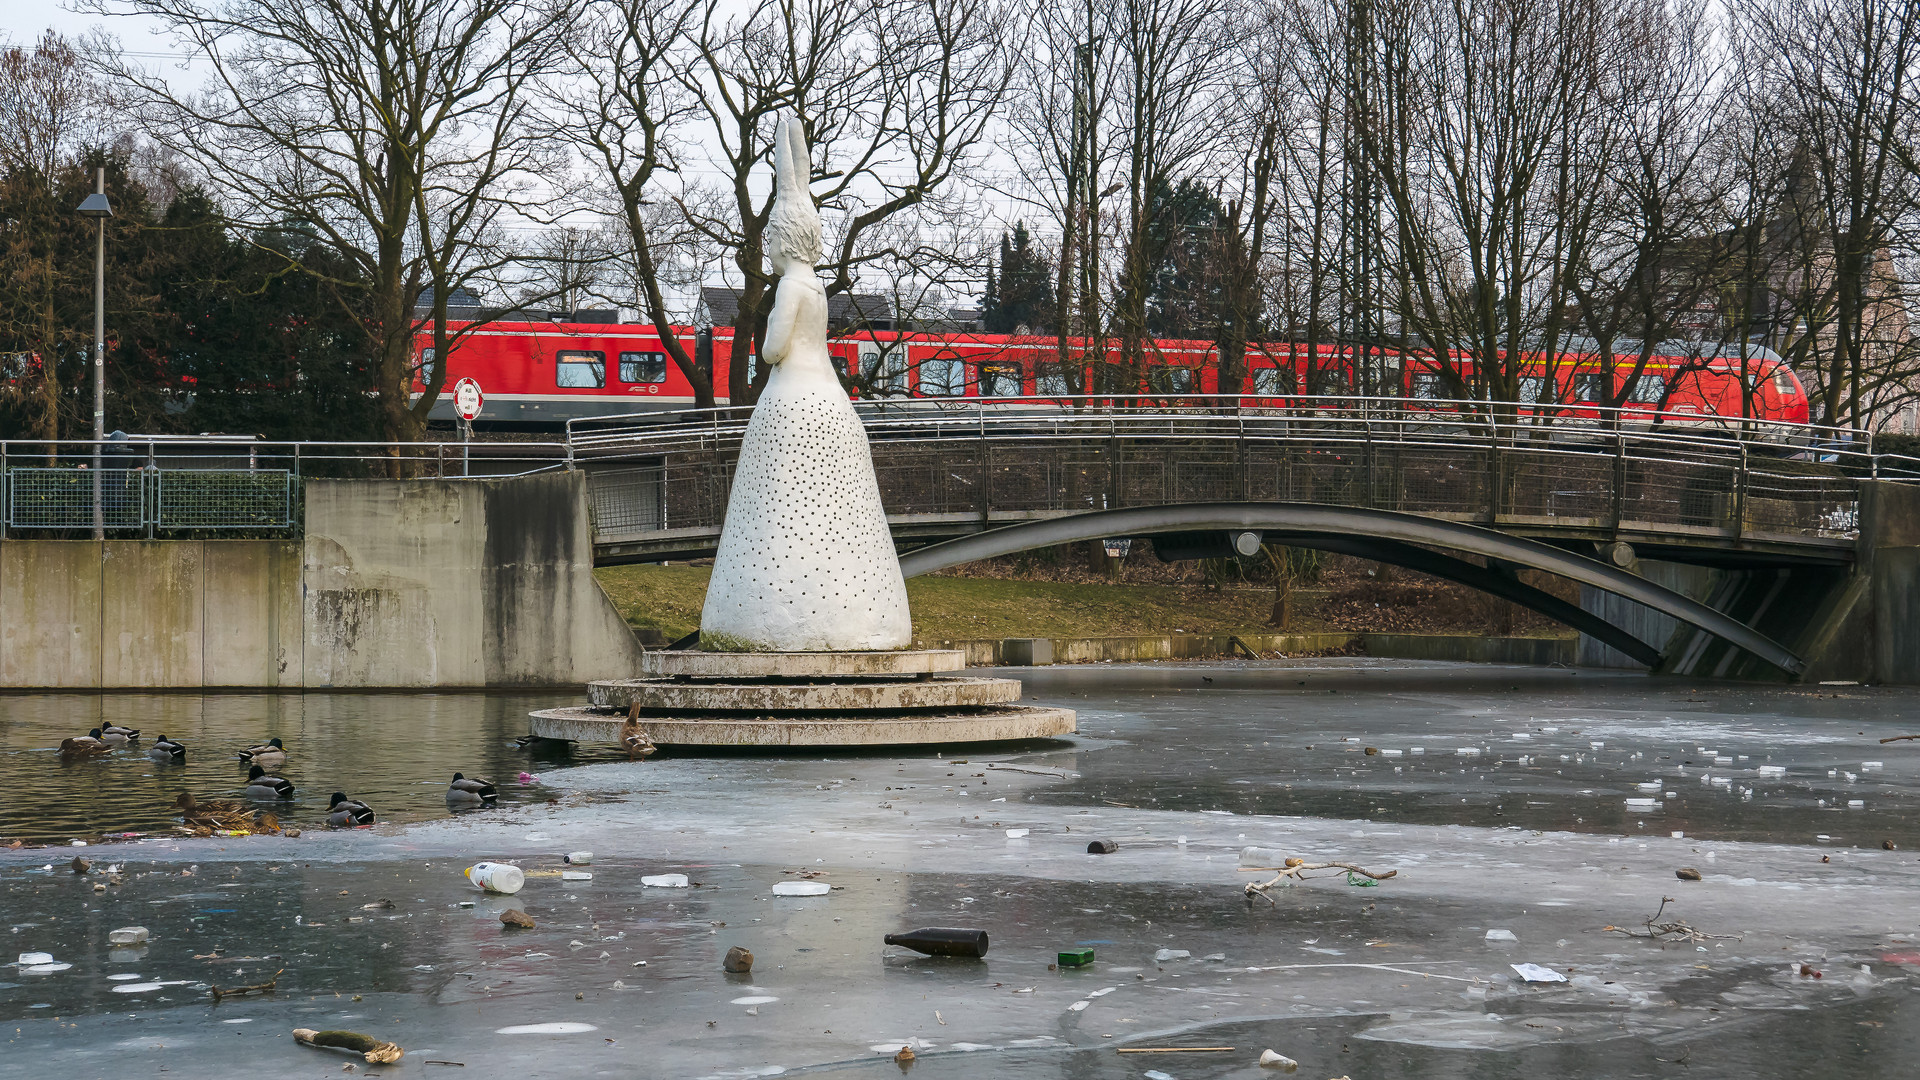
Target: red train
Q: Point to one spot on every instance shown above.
(545, 373)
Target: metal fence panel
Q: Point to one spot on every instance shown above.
(223, 498)
(628, 500)
(63, 498)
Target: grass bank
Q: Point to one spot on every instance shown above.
(668, 599)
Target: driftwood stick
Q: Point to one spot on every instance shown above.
(1296, 870)
(374, 1050)
(257, 988)
(1900, 738)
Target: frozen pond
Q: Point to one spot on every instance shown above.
(1395, 980)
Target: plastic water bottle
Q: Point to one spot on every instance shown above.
(503, 878)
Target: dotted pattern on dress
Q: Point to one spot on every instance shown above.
(806, 561)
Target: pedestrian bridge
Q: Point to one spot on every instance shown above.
(1421, 484)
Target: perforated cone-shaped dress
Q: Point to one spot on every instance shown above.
(806, 562)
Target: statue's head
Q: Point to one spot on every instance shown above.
(793, 229)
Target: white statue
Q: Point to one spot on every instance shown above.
(806, 563)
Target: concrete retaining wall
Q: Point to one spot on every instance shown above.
(415, 583)
(1013, 652)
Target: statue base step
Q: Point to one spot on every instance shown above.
(714, 699)
(1007, 723)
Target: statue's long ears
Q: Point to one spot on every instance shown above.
(793, 170)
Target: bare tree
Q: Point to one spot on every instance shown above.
(1846, 75)
(1171, 64)
(897, 97)
(50, 106)
(1479, 104)
(624, 101)
(394, 131)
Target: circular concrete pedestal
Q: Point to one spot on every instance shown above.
(803, 699)
(596, 725)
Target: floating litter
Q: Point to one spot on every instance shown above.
(239, 1020)
(1534, 973)
(1873, 764)
(1015, 834)
(1856, 804)
(800, 888)
(1654, 786)
(1641, 804)
(125, 976)
(565, 1027)
(575, 875)
(756, 999)
(1501, 935)
(137, 988)
(665, 881)
(1389, 753)
(1772, 770)
(45, 969)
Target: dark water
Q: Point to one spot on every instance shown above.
(394, 751)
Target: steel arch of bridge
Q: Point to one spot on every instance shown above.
(1387, 536)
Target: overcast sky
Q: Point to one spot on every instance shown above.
(22, 21)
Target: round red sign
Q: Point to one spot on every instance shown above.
(467, 399)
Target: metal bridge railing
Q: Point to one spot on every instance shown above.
(188, 484)
(1007, 458)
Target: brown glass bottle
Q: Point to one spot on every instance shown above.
(940, 941)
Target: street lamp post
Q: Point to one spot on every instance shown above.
(97, 208)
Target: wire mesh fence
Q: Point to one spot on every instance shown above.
(122, 500)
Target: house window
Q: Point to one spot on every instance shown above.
(643, 367)
(943, 377)
(1001, 378)
(580, 369)
(1165, 379)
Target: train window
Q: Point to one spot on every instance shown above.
(1649, 389)
(1535, 390)
(1271, 381)
(1002, 378)
(1783, 382)
(426, 365)
(1166, 379)
(1112, 378)
(1593, 386)
(943, 377)
(1429, 387)
(643, 367)
(1051, 381)
(579, 369)
(885, 367)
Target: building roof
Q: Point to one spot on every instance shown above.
(720, 306)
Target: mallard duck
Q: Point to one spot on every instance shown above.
(262, 786)
(115, 735)
(84, 746)
(167, 751)
(266, 753)
(345, 813)
(474, 792)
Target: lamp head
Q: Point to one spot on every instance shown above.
(96, 206)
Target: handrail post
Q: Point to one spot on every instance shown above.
(152, 472)
(1740, 496)
(1619, 476)
(1496, 485)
